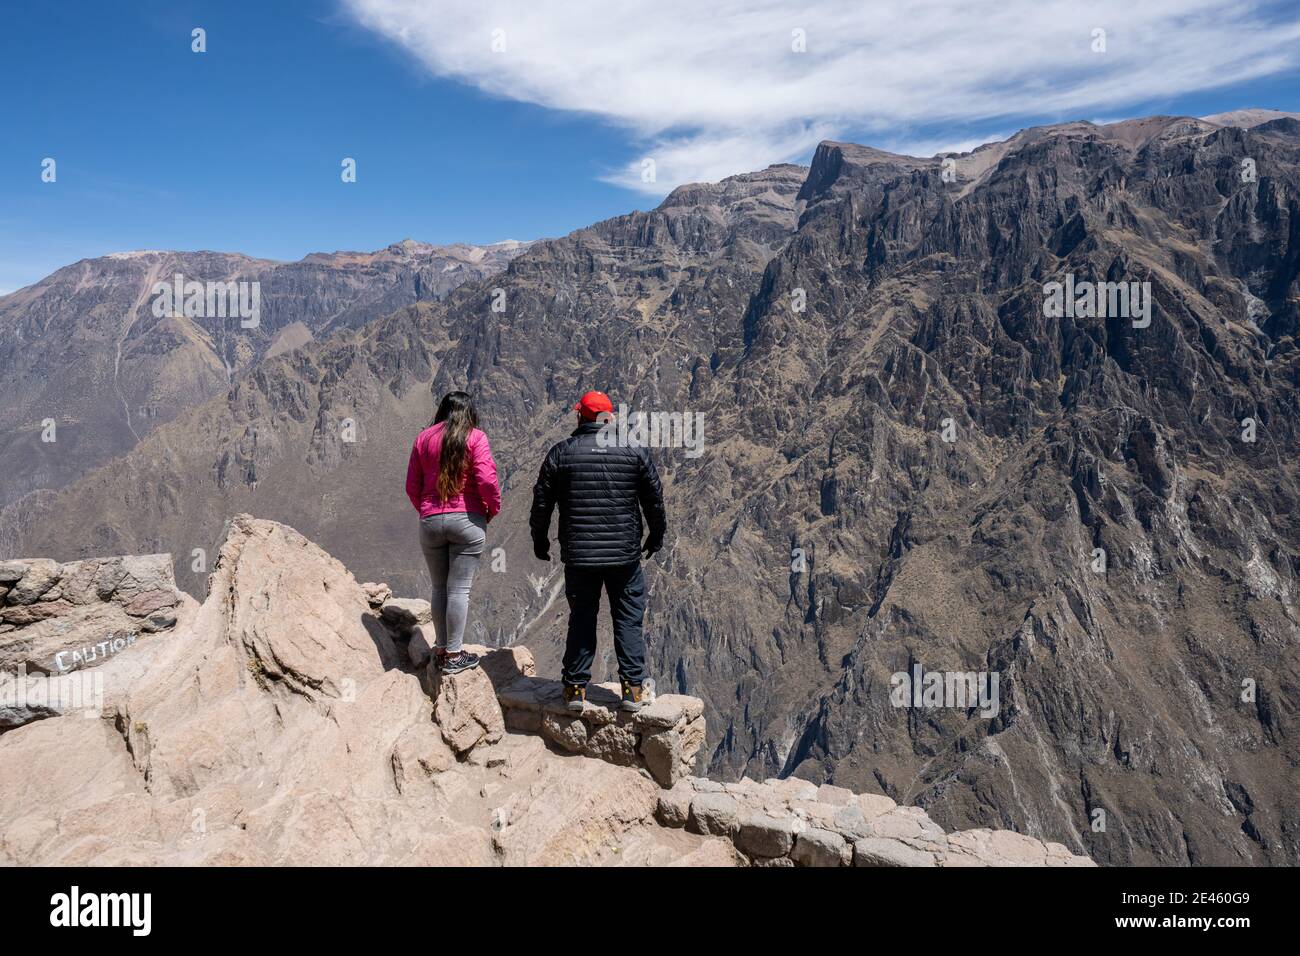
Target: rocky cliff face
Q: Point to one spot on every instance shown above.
(281, 723)
(912, 460)
(85, 350)
(289, 720)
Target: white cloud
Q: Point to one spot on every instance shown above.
(708, 157)
(931, 147)
(711, 88)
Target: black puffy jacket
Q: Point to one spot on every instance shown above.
(602, 492)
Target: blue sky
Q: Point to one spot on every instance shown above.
(239, 148)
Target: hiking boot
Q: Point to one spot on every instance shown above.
(575, 697)
(455, 663)
(634, 697)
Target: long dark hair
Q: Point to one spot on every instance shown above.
(457, 411)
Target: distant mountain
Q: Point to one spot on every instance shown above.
(916, 454)
(86, 349)
(1249, 118)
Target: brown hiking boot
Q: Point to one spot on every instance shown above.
(634, 697)
(575, 697)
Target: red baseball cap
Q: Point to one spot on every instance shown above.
(592, 404)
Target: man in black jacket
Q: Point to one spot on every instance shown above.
(602, 489)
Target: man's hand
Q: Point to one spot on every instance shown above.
(652, 545)
(542, 550)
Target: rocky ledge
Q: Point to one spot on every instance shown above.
(663, 738)
(57, 619)
(294, 718)
(792, 822)
(780, 822)
(45, 606)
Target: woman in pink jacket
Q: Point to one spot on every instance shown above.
(452, 481)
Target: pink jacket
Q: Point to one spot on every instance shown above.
(480, 494)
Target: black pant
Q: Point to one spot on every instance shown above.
(625, 585)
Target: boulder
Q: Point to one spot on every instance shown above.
(663, 756)
(420, 752)
(675, 804)
(138, 580)
(300, 617)
(818, 847)
(97, 608)
(420, 644)
(20, 615)
(403, 613)
(714, 814)
(763, 835)
(814, 812)
(465, 709)
(147, 603)
(664, 737)
(41, 574)
(615, 743)
(570, 733)
(77, 637)
(896, 825)
(662, 712)
(873, 851)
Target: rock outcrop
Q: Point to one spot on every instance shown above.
(58, 618)
(793, 822)
(282, 722)
(664, 737)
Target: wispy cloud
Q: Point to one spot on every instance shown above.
(713, 88)
(934, 146)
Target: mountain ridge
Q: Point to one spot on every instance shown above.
(87, 349)
(924, 304)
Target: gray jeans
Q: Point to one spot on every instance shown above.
(452, 544)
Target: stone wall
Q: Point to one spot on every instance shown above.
(56, 618)
(792, 822)
(663, 738)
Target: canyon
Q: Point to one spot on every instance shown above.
(907, 462)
